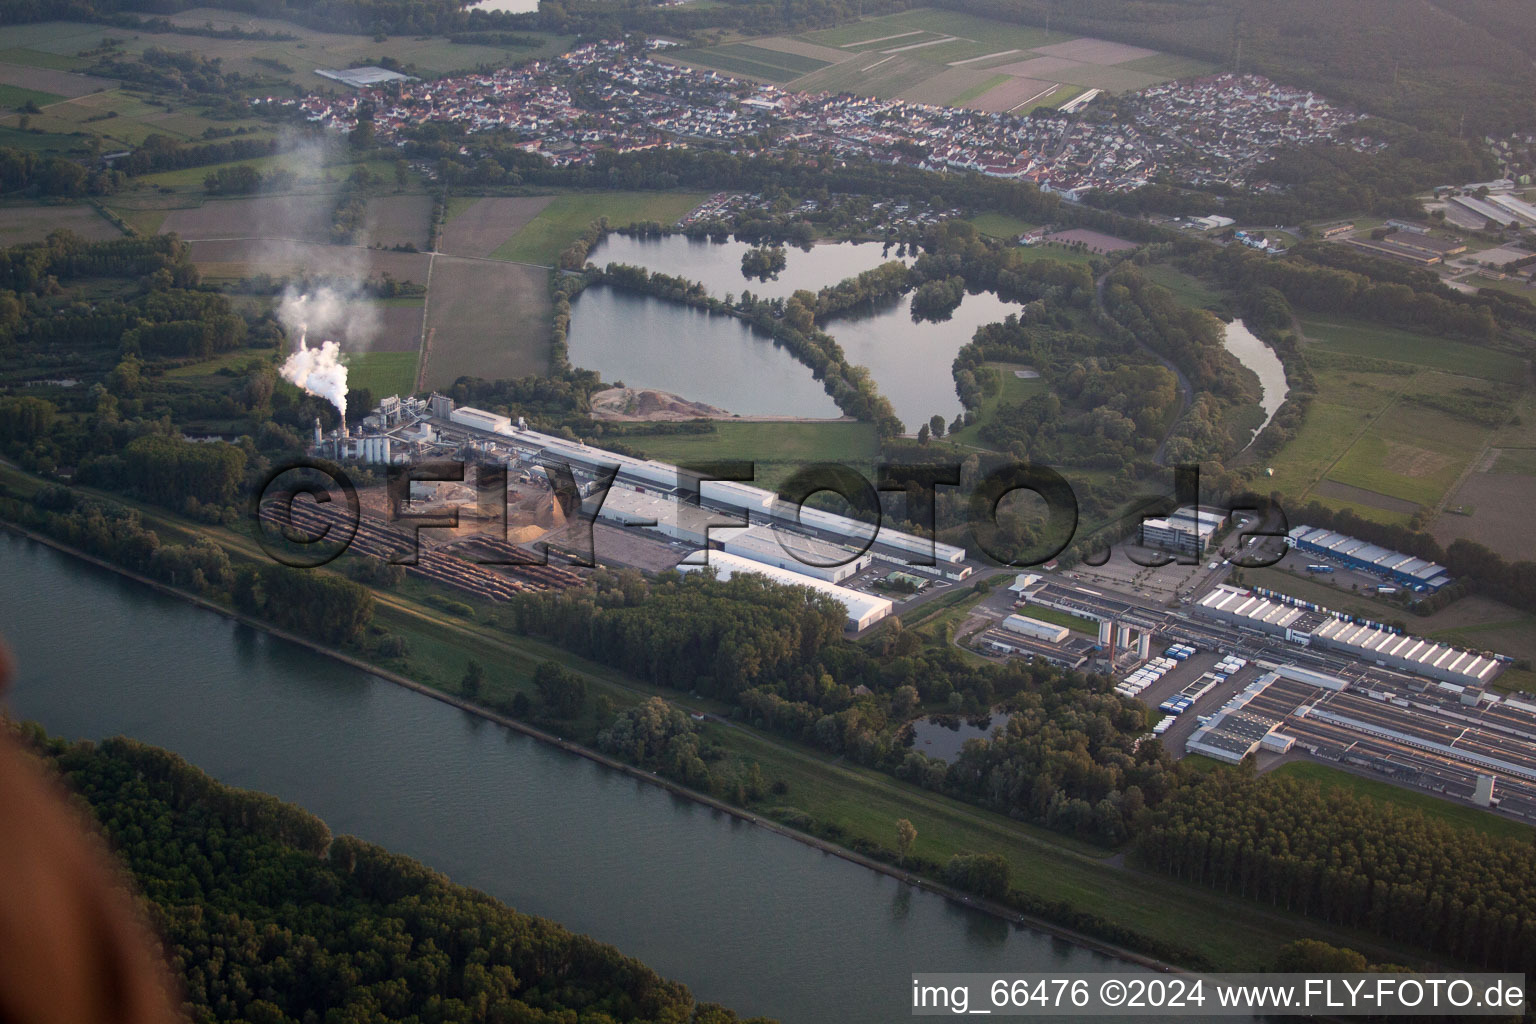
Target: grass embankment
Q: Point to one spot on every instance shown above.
(861, 803)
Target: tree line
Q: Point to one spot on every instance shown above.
(268, 918)
(1353, 862)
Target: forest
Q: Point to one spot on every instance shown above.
(1352, 861)
(375, 937)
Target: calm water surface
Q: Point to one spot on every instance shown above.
(706, 357)
(1261, 359)
(717, 265)
(742, 915)
(648, 342)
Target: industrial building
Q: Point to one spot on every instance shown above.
(677, 520)
(759, 505)
(1236, 731)
(829, 562)
(1499, 208)
(1409, 653)
(479, 419)
(864, 610)
(1395, 251)
(1415, 573)
(1036, 628)
(1307, 624)
(1187, 531)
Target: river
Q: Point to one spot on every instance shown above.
(743, 915)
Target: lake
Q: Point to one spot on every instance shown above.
(706, 357)
(648, 342)
(944, 738)
(743, 915)
(1261, 359)
(717, 265)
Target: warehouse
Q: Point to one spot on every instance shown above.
(680, 521)
(740, 499)
(1428, 243)
(479, 419)
(1409, 653)
(1187, 531)
(1237, 730)
(1040, 630)
(1411, 572)
(1369, 642)
(831, 563)
(1395, 251)
(863, 610)
(1517, 209)
(1499, 209)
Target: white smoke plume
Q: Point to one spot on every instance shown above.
(319, 372)
(338, 310)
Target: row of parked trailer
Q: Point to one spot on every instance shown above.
(1145, 676)
(1177, 704)
(1181, 652)
(1227, 667)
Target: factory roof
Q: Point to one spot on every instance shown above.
(762, 540)
(859, 606)
(1381, 558)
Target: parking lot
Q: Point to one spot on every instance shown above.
(1163, 584)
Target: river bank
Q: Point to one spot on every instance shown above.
(997, 910)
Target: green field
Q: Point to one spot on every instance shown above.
(310, 50)
(988, 36)
(1013, 391)
(1411, 452)
(542, 239)
(1189, 290)
(778, 448)
(1054, 100)
(1309, 588)
(1168, 65)
(193, 176)
(14, 96)
(383, 373)
(1431, 806)
(1061, 618)
(1001, 225)
(1354, 338)
(1365, 429)
(28, 57)
(976, 90)
(212, 370)
(934, 56)
(758, 61)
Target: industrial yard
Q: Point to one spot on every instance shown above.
(654, 516)
(1233, 671)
